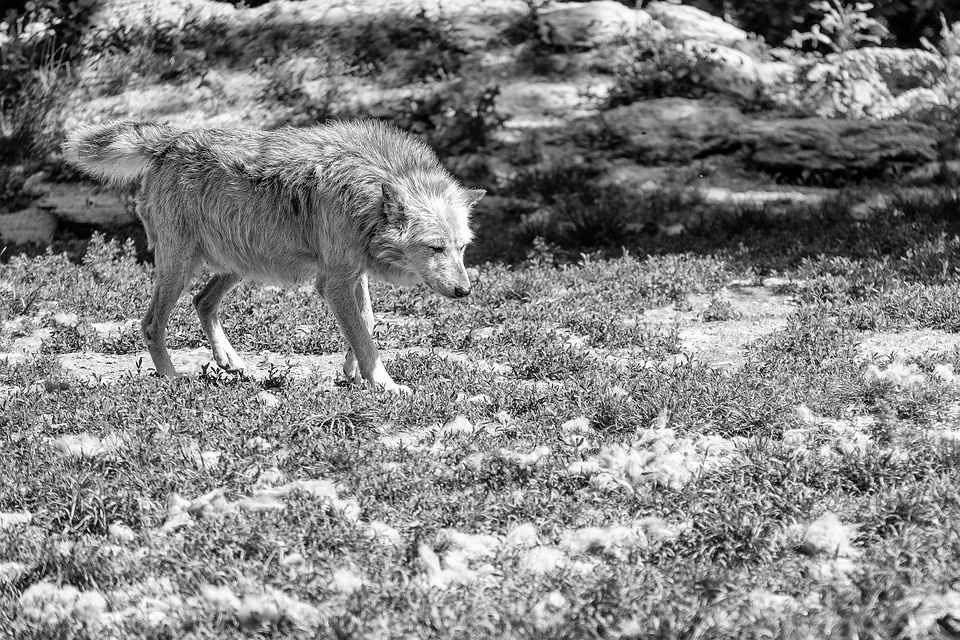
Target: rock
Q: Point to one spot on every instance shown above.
(681, 129)
(841, 147)
(933, 172)
(900, 69)
(877, 83)
(691, 23)
(724, 197)
(916, 101)
(525, 98)
(669, 129)
(775, 72)
(728, 70)
(305, 69)
(30, 226)
(35, 185)
(590, 23)
(87, 204)
(214, 80)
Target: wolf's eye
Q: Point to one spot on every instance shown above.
(438, 249)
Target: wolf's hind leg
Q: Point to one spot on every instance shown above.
(351, 368)
(207, 304)
(173, 274)
(341, 295)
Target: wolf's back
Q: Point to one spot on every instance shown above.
(116, 152)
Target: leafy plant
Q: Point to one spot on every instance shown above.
(401, 49)
(842, 27)
(452, 119)
(659, 64)
(945, 113)
(287, 84)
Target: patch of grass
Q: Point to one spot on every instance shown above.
(732, 525)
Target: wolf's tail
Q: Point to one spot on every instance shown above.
(117, 152)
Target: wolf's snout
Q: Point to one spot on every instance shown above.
(461, 292)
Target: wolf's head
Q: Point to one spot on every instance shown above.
(425, 229)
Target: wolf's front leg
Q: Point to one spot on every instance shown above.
(341, 295)
(351, 368)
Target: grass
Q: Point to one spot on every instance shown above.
(723, 540)
(287, 506)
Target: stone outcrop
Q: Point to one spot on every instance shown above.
(728, 70)
(72, 203)
(834, 147)
(590, 23)
(681, 130)
(691, 23)
(900, 69)
(670, 129)
(87, 204)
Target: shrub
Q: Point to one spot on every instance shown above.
(452, 119)
(659, 64)
(842, 27)
(945, 114)
(774, 20)
(402, 49)
(286, 84)
(157, 48)
(34, 71)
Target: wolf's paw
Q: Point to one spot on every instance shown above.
(351, 369)
(398, 389)
(233, 367)
(390, 387)
(229, 361)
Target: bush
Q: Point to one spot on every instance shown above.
(34, 69)
(452, 119)
(842, 27)
(286, 84)
(659, 64)
(945, 114)
(156, 49)
(402, 49)
(774, 20)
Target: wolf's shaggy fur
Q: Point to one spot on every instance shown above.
(332, 203)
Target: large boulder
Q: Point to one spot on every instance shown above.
(681, 130)
(525, 98)
(803, 147)
(590, 23)
(87, 204)
(900, 69)
(668, 129)
(691, 23)
(727, 70)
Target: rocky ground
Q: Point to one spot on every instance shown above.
(506, 88)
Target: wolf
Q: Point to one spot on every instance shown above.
(336, 204)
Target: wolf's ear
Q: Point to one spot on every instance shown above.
(474, 195)
(392, 209)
